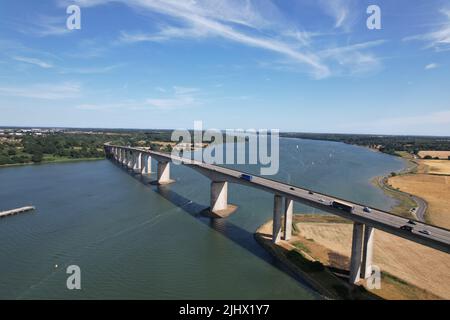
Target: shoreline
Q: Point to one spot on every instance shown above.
(405, 200)
(49, 162)
(325, 270)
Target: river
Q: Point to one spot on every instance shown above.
(135, 240)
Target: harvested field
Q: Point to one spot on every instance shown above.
(416, 264)
(437, 166)
(434, 189)
(440, 154)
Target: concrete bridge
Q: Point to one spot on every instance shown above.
(139, 160)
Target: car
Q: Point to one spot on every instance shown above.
(246, 177)
(291, 188)
(367, 209)
(406, 228)
(321, 200)
(310, 192)
(411, 222)
(425, 232)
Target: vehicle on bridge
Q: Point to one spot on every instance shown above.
(406, 228)
(341, 205)
(246, 177)
(367, 209)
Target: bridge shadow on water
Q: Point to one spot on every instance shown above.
(232, 231)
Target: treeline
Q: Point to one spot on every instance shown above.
(73, 145)
(386, 144)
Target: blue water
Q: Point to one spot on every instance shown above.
(135, 240)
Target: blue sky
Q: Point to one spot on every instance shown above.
(310, 66)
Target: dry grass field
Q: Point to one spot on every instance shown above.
(440, 154)
(437, 166)
(416, 264)
(433, 188)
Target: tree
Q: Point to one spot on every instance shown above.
(12, 152)
(5, 159)
(37, 157)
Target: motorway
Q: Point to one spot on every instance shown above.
(437, 238)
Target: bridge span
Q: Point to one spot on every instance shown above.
(364, 223)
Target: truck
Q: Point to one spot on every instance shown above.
(341, 205)
(246, 177)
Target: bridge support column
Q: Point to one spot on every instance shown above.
(146, 164)
(288, 211)
(164, 173)
(277, 206)
(125, 158)
(137, 161)
(355, 259)
(219, 196)
(219, 206)
(130, 160)
(366, 269)
(122, 157)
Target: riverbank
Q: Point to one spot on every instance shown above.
(431, 183)
(56, 160)
(408, 206)
(319, 252)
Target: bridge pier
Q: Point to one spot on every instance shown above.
(137, 161)
(219, 200)
(288, 211)
(276, 225)
(146, 164)
(163, 172)
(122, 157)
(357, 246)
(130, 163)
(366, 268)
(118, 155)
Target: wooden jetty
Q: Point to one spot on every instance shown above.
(16, 211)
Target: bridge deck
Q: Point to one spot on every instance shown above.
(438, 238)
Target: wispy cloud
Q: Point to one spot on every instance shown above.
(43, 26)
(34, 61)
(431, 66)
(438, 39)
(175, 98)
(340, 10)
(90, 70)
(218, 19)
(436, 118)
(258, 24)
(43, 91)
(428, 123)
(180, 98)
